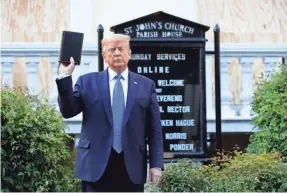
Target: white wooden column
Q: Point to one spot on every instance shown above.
(81, 18)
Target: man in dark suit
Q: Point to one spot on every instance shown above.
(120, 117)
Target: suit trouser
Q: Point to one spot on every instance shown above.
(114, 179)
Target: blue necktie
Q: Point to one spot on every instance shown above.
(118, 113)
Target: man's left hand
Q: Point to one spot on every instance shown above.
(155, 176)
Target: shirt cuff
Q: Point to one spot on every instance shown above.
(61, 76)
(157, 168)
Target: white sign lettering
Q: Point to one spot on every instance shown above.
(178, 109)
(189, 122)
(151, 34)
(150, 29)
(169, 98)
(170, 82)
(153, 70)
(171, 34)
(158, 90)
(160, 109)
(171, 136)
(166, 123)
(181, 147)
(140, 56)
(175, 57)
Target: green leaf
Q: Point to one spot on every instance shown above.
(34, 152)
(270, 114)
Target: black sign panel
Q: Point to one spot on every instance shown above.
(175, 70)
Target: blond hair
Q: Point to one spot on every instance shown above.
(114, 37)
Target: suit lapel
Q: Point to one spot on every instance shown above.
(133, 85)
(105, 91)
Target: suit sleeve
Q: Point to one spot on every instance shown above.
(69, 100)
(155, 137)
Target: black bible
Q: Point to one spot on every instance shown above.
(71, 46)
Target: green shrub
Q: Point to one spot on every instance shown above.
(34, 154)
(182, 177)
(243, 172)
(269, 108)
(151, 188)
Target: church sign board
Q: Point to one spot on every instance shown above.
(171, 51)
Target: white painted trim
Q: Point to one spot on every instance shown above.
(268, 48)
(38, 46)
(251, 47)
(244, 126)
(227, 126)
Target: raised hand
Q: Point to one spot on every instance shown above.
(67, 70)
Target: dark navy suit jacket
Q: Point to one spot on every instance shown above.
(91, 96)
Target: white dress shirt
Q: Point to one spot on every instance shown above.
(124, 82)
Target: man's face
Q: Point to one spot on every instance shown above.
(117, 54)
